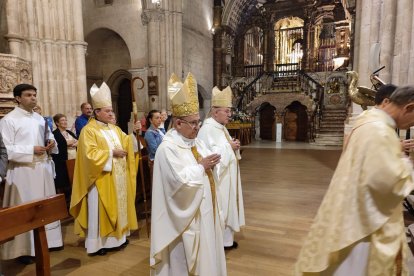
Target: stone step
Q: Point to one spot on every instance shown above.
(329, 140)
(330, 130)
(325, 143)
(330, 124)
(340, 116)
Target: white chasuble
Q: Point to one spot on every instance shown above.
(216, 138)
(29, 176)
(186, 234)
(359, 227)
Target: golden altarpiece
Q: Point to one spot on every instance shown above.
(286, 62)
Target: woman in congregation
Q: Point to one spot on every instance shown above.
(153, 135)
(67, 143)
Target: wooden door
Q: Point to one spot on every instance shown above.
(267, 119)
(296, 122)
(124, 105)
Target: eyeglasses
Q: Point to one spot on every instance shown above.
(193, 124)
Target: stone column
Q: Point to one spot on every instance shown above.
(411, 50)
(217, 47)
(387, 38)
(13, 36)
(363, 28)
(405, 11)
(238, 60)
(164, 33)
(158, 56)
(268, 38)
(79, 49)
(305, 49)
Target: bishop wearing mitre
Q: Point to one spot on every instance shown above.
(187, 225)
(218, 140)
(104, 184)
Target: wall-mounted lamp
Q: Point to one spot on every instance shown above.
(157, 3)
(212, 30)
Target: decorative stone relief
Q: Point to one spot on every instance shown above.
(336, 91)
(228, 43)
(152, 15)
(13, 70)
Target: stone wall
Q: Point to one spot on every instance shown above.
(198, 43)
(107, 53)
(122, 18)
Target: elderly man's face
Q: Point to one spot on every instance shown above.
(188, 126)
(221, 114)
(405, 117)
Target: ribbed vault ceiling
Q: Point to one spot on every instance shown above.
(234, 11)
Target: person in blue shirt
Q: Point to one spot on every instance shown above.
(83, 119)
(153, 135)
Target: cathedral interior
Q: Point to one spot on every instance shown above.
(286, 62)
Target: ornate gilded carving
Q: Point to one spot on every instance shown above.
(357, 95)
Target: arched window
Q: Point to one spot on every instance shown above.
(288, 44)
(253, 52)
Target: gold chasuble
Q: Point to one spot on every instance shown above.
(363, 206)
(92, 155)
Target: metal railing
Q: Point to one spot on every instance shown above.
(303, 83)
(252, 70)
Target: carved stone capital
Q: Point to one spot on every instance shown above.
(147, 16)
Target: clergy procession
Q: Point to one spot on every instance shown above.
(197, 196)
(197, 200)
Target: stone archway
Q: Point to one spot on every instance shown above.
(107, 58)
(120, 84)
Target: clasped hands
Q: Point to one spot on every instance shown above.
(407, 145)
(235, 144)
(210, 161)
(119, 153)
(40, 150)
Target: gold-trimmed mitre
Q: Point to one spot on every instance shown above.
(221, 98)
(101, 97)
(183, 96)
